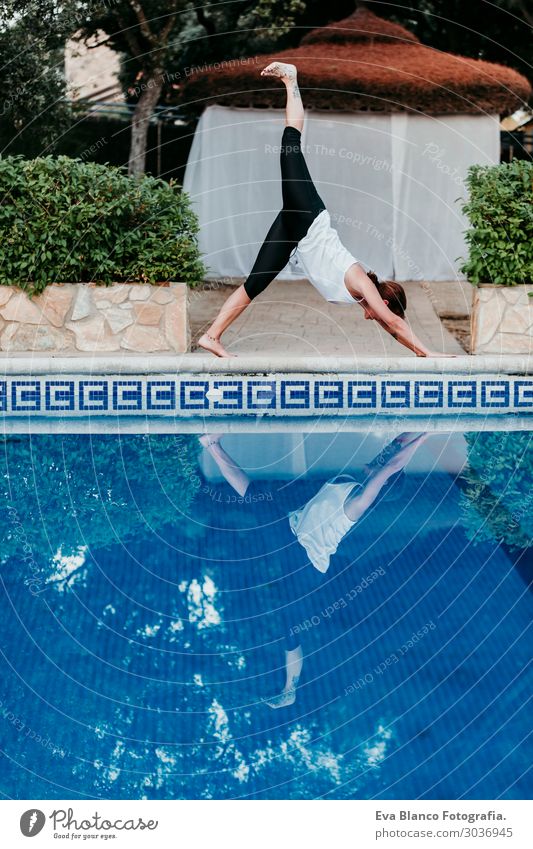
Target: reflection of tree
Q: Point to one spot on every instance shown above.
(148, 696)
(497, 484)
(147, 689)
(61, 493)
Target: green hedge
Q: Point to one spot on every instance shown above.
(497, 498)
(500, 211)
(64, 220)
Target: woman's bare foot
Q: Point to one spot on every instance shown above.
(208, 439)
(214, 346)
(284, 699)
(284, 71)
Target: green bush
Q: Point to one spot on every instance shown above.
(500, 211)
(497, 497)
(64, 220)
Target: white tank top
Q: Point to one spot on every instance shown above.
(322, 258)
(321, 524)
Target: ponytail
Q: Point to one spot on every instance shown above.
(391, 292)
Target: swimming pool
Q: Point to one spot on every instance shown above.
(145, 602)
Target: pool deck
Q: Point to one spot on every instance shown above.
(289, 329)
(290, 316)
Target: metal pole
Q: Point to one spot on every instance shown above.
(159, 129)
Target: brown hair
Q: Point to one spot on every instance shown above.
(391, 292)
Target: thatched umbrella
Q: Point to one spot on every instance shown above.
(365, 63)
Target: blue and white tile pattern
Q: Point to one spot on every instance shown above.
(301, 395)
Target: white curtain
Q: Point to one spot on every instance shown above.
(390, 182)
(431, 157)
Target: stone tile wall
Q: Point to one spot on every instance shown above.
(78, 317)
(502, 320)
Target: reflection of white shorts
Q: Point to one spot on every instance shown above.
(322, 258)
(321, 524)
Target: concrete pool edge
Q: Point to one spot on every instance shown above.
(136, 425)
(275, 365)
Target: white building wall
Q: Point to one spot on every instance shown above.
(292, 456)
(92, 70)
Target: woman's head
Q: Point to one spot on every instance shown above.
(391, 292)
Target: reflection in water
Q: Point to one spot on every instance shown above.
(156, 592)
(498, 488)
(308, 536)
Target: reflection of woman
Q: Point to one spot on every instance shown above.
(303, 226)
(306, 538)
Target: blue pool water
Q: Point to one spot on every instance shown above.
(146, 604)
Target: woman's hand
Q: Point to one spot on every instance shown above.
(411, 436)
(437, 354)
(209, 439)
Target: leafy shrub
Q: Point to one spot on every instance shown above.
(497, 498)
(500, 211)
(98, 491)
(64, 220)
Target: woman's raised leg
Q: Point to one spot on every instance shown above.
(288, 228)
(294, 110)
(300, 197)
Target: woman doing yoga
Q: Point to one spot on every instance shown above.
(303, 227)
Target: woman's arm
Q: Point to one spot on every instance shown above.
(400, 330)
(357, 504)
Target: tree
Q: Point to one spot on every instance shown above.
(32, 34)
(154, 39)
(140, 30)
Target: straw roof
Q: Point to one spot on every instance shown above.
(362, 26)
(364, 63)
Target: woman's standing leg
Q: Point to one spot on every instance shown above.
(286, 230)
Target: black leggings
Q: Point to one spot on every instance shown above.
(301, 205)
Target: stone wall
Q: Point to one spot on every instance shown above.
(85, 317)
(502, 320)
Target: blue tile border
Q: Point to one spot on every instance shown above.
(294, 395)
(362, 394)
